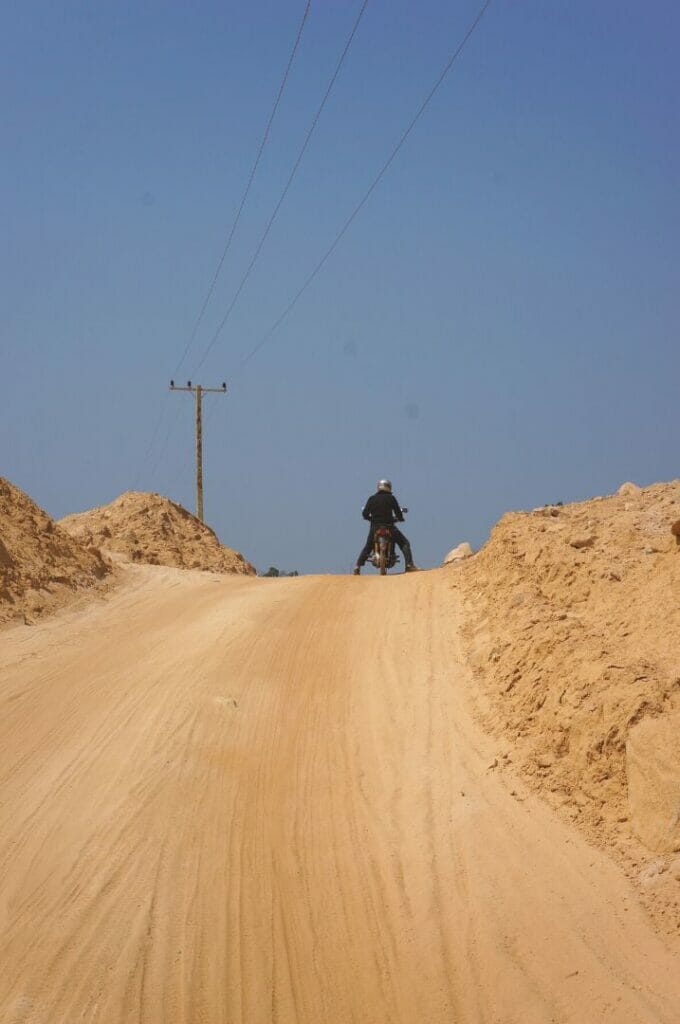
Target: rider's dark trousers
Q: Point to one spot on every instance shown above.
(399, 538)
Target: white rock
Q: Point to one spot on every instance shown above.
(463, 550)
(628, 489)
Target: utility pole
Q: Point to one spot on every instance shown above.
(199, 391)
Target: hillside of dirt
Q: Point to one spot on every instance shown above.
(41, 567)
(143, 527)
(573, 632)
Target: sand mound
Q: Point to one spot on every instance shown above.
(141, 527)
(573, 632)
(41, 567)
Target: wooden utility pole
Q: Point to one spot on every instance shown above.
(199, 391)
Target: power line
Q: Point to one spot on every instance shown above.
(244, 197)
(246, 191)
(154, 435)
(164, 445)
(286, 188)
(362, 202)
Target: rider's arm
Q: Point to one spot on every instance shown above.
(396, 508)
(366, 512)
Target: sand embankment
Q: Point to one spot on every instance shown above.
(573, 631)
(149, 528)
(42, 568)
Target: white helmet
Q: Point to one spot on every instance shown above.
(385, 485)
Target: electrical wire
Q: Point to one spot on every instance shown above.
(138, 475)
(227, 246)
(362, 202)
(286, 188)
(164, 444)
(246, 191)
(357, 209)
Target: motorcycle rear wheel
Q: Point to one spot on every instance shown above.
(383, 559)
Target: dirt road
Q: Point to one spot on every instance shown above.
(236, 801)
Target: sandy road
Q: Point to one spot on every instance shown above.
(264, 802)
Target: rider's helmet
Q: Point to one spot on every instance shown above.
(385, 485)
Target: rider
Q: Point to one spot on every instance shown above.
(383, 509)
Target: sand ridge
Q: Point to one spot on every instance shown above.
(150, 528)
(41, 567)
(573, 632)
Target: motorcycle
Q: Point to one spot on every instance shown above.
(384, 552)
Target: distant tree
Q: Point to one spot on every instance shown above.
(271, 571)
(294, 573)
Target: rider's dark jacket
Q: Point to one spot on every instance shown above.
(381, 509)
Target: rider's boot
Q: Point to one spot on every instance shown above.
(356, 571)
(408, 558)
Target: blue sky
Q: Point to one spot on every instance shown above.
(497, 329)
